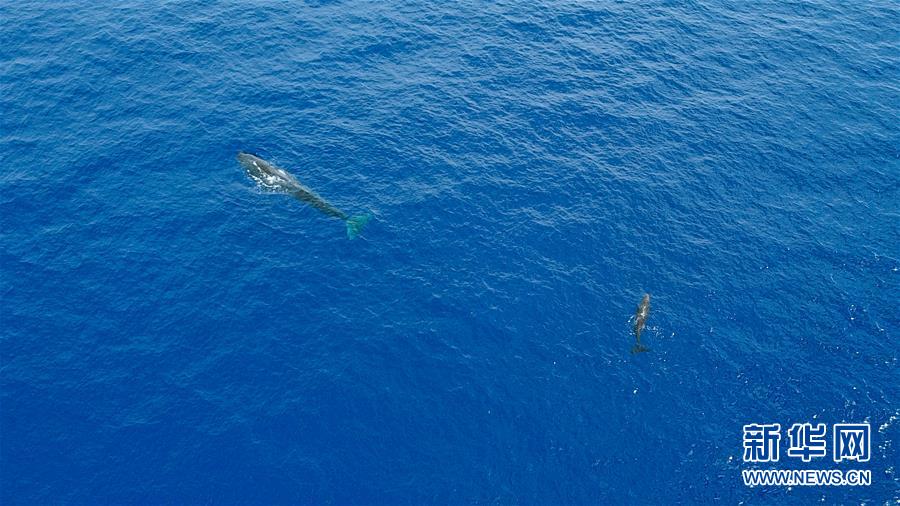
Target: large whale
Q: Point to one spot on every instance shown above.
(640, 318)
(274, 178)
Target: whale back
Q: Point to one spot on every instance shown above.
(268, 176)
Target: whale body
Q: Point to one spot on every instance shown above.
(275, 178)
(640, 318)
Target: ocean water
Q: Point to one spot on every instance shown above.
(171, 334)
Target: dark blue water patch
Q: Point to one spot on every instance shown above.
(170, 333)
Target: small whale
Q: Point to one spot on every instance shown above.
(274, 178)
(640, 318)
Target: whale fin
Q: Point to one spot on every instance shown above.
(639, 348)
(356, 223)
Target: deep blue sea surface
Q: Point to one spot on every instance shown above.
(173, 334)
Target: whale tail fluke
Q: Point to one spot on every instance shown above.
(356, 223)
(639, 348)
